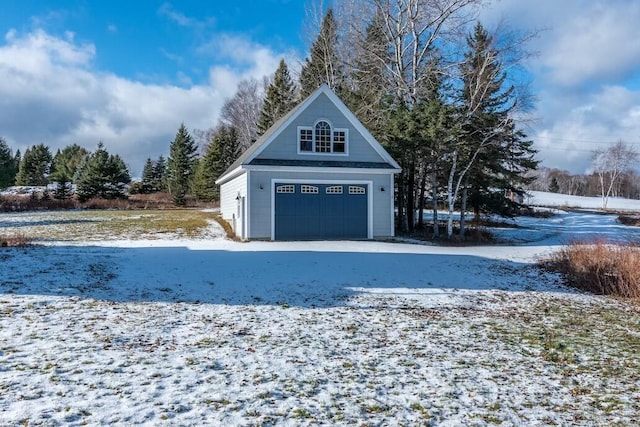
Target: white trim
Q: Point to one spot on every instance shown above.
(369, 185)
(323, 169)
(393, 210)
(228, 177)
(248, 206)
(333, 130)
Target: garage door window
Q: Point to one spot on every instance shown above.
(286, 189)
(356, 190)
(336, 189)
(309, 189)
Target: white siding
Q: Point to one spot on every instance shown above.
(260, 216)
(229, 192)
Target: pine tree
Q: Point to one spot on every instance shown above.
(280, 98)
(180, 167)
(102, 175)
(147, 177)
(35, 166)
(204, 179)
(159, 181)
(8, 165)
(367, 99)
(322, 65)
(496, 152)
(64, 166)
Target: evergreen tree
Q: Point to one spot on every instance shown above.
(8, 165)
(147, 177)
(102, 175)
(35, 166)
(180, 167)
(368, 98)
(554, 187)
(280, 98)
(322, 65)
(159, 175)
(204, 179)
(64, 166)
(496, 154)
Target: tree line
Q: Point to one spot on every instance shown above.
(443, 94)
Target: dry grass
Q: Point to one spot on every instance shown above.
(14, 240)
(154, 201)
(227, 228)
(601, 267)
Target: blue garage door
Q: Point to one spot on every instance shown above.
(320, 211)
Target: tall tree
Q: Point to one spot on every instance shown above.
(279, 100)
(8, 165)
(322, 65)
(610, 164)
(159, 174)
(486, 133)
(35, 166)
(204, 186)
(369, 93)
(180, 167)
(101, 175)
(65, 165)
(242, 111)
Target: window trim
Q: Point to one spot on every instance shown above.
(313, 151)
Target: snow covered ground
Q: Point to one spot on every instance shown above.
(205, 331)
(542, 198)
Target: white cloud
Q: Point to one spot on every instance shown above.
(50, 93)
(588, 57)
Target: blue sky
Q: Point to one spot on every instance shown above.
(128, 73)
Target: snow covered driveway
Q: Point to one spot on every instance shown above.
(208, 331)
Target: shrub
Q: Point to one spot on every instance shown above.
(601, 267)
(632, 220)
(14, 240)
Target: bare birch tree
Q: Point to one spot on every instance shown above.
(610, 164)
(242, 111)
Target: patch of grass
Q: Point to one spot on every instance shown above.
(600, 267)
(114, 224)
(227, 228)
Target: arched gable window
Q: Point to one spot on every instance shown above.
(322, 138)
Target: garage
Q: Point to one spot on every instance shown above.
(311, 211)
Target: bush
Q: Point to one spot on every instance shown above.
(14, 240)
(632, 220)
(601, 267)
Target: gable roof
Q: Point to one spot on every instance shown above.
(263, 142)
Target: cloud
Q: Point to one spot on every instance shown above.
(584, 76)
(51, 93)
(167, 10)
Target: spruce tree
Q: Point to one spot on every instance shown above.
(368, 98)
(159, 174)
(204, 179)
(279, 99)
(147, 177)
(35, 166)
(102, 175)
(64, 166)
(8, 166)
(180, 167)
(497, 152)
(322, 65)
